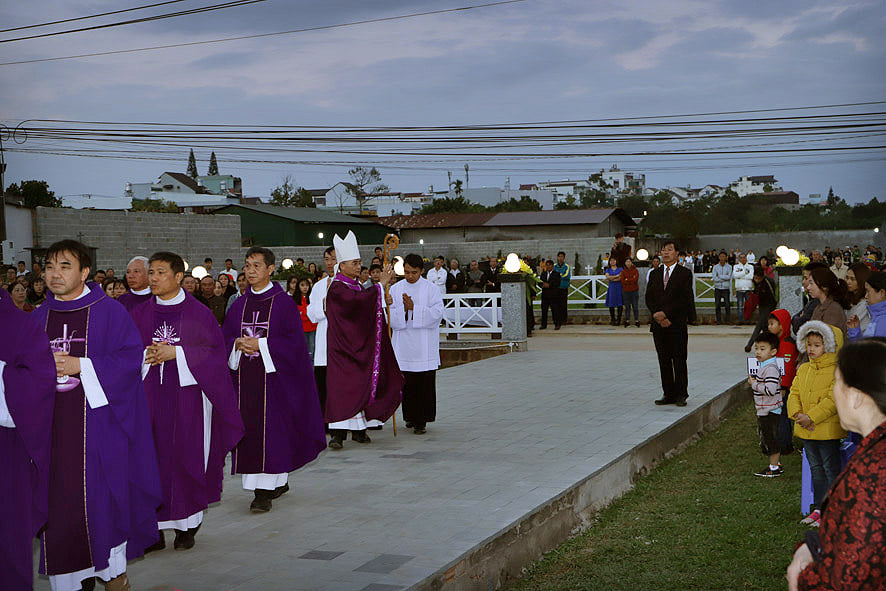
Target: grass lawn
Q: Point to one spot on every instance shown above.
(701, 520)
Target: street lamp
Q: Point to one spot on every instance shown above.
(643, 254)
(199, 272)
(320, 235)
(512, 263)
(398, 266)
(791, 257)
(287, 263)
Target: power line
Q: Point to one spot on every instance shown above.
(260, 35)
(188, 12)
(80, 18)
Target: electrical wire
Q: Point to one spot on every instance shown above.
(146, 19)
(261, 35)
(91, 16)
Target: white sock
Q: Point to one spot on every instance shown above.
(771, 467)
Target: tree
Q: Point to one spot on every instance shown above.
(591, 198)
(568, 203)
(287, 195)
(525, 203)
(451, 205)
(213, 165)
(192, 165)
(635, 205)
(458, 187)
(155, 205)
(365, 181)
(34, 194)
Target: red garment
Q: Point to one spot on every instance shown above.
(853, 524)
(306, 324)
(786, 348)
(630, 279)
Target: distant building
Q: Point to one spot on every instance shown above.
(201, 192)
(512, 225)
(273, 225)
(813, 199)
(19, 232)
(751, 185)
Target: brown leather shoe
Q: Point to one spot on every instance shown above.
(120, 583)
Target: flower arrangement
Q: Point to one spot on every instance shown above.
(804, 260)
(532, 280)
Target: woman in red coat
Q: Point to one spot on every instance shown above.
(849, 550)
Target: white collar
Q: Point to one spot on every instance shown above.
(266, 288)
(145, 291)
(177, 299)
(84, 293)
(670, 268)
(455, 271)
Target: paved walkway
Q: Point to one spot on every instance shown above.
(512, 432)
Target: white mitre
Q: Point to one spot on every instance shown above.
(346, 248)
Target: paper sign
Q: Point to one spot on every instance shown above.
(753, 364)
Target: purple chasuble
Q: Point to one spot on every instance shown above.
(177, 412)
(29, 384)
(104, 487)
(131, 300)
(362, 373)
(280, 410)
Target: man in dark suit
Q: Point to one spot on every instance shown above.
(670, 299)
(550, 289)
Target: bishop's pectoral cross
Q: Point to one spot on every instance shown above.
(255, 329)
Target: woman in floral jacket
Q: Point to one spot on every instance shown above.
(849, 550)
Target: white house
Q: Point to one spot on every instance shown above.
(750, 185)
(19, 232)
(186, 192)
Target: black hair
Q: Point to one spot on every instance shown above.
(722, 252)
(329, 250)
(549, 261)
(414, 261)
(619, 235)
(835, 287)
(362, 268)
(374, 267)
(21, 263)
(266, 253)
(299, 259)
(767, 337)
(229, 261)
(77, 249)
(758, 271)
(877, 280)
(561, 252)
(656, 257)
(441, 257)
(813, 266)
(310, 289)
(209, 260)
(671, 242)
(858, 363)
(175, 262)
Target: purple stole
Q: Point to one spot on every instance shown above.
(66, 539)
(249, 456)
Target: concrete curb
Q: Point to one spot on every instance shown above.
(501, 558)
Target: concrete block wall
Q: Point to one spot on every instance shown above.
(809, 241)
(588, 250)
(118, 236)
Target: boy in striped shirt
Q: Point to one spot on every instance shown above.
(768, 401)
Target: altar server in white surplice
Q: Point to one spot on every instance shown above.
(416, 312)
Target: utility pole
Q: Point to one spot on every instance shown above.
(467, 177)
(3, 131)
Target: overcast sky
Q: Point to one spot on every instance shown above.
(539, 60)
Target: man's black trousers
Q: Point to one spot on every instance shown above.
(671, 347)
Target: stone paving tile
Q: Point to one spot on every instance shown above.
(528, 426)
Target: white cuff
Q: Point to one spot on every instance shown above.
(266, 355)
(5, 417)
(185, 377)
(234, 358)
(95, 394)
(145, 365)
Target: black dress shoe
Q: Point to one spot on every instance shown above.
(681, 402)
(376, 428)
(360, 437)
(663, 401)
(262, 501)
(184, 540)
(335, 443)
(409, 425)
(280, 491)
(88, 584)
(158, 545)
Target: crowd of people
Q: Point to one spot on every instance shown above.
(164, 373)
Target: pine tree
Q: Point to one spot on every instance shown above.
(213, 165)
(192, 165)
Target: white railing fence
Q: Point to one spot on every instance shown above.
(471, 313)
(591, 289)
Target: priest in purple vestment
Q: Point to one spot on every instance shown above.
(137, 280)
(274, 382)
(363, 381)
(191, 399)
(27, 396)
(104, 486)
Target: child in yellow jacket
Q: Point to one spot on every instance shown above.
(811, 405)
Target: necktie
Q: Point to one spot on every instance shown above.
(667, 276)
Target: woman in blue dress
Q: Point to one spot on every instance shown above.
(614, 299)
